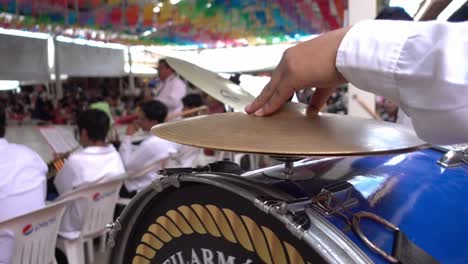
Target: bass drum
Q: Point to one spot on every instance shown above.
(220, 218)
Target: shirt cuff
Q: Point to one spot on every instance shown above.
(368, 56)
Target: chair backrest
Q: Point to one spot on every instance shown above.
(101, 199)
(32, 236)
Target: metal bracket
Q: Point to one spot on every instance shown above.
(293, 210)
(335, 198)
(294, 206)
(454, 158)
(267, 205)
(296, 229)
(162, 183)
(114, 228)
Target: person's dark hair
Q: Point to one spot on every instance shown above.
(164, 61)
(192, 100)
(2, 120)
(394, 13)
(96, 123)
(154, 110)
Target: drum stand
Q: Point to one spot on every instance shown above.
(288, 172)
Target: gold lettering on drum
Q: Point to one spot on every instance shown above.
(140, 260)
(206, 218)
(160, 233)
(146, 251)
(258, 239)
(276, 248)
(179, 220)
(152, 241)
(170, 227)
(222, 223)
(294, 256)
(193, 219)
(239, 229)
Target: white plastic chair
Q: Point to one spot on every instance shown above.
(101, 201)
(32, 237)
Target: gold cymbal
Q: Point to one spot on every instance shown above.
(216, 86)
(291, 132)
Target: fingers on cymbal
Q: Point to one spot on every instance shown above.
(319, 99)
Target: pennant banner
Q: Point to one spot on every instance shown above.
(189, 21)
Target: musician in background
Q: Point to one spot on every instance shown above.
(96, 162)
(191, 101)
(171, 89)
(187, 156)
(152, 152)
(22, 185)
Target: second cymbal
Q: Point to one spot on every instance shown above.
(216, 86)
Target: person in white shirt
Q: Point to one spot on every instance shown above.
(187, 156)
(171, 89)
(22, 185)
(153, 152)
(419, 65)
(96, 162)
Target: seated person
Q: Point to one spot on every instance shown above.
(22, 185)
(96, 162)
(152, 151)
(187, 156)
(192, 101)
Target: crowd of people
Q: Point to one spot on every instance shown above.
(97, 160)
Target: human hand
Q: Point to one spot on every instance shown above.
(308, 64)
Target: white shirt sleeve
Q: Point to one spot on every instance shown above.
(135, 158)
(419, 65)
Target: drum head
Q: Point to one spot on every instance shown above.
(204, 224)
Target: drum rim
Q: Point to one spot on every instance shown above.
(328, 241)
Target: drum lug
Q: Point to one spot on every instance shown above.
(162, 183)
(293, 210)
(114, 228)
(296, 229)
(295, 206)
(267, 206)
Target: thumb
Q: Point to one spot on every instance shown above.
(319, 100)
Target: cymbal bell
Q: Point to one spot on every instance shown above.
(216, 86)
(291, 132)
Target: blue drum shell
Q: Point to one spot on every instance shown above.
(425, 200)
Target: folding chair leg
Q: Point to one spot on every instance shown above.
(102, 242)
(75, 252)
(90, 250)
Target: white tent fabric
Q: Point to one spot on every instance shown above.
(23, 58)
(240, 59)
(89, 61)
